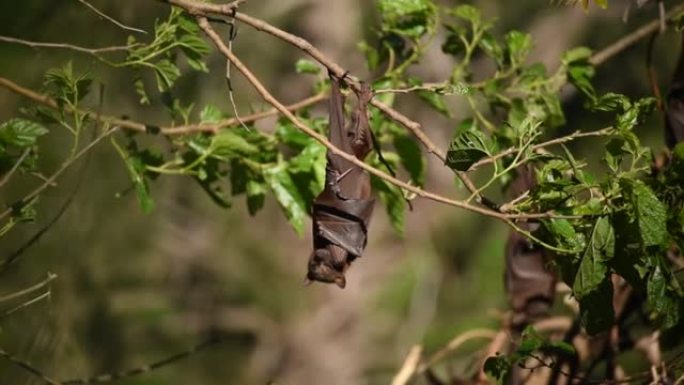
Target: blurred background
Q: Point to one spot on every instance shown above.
(134, 288)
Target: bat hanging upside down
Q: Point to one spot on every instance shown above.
(342, 211)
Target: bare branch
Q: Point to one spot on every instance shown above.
(28, 367)
(59, 171)
(91, 51)
(15, 167)
(563, 139)
(409, 367)
(169, 130)
(28, 290)
(109, 377)
(454, 344)
(266, 95)
(629, 40)
(111, 19)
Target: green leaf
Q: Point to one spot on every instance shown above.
(20, 133)
(499, 368)
(411, 157)
(167, 73)
(65, 85)
(139, 85)
(210, 114)
(279, 181)
(304, 66)
(469, 146)
(662, 299)
(596, 308)
(468, 12)
(593, 269)
(518, 45)
(136, 171)
(227, 144)
(256, 195)
(409, 18)
(564, 234)
(649, 213)
(578, 54)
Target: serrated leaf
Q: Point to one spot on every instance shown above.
(650, 214)
(564, 234)
(469, 146)
(20, 133)
(518, 45)
(468, 12)
(210, 114)
(593, 268)
(283, 188)
(167, 73)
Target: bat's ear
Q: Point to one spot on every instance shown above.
(341, 282)
(307, 281)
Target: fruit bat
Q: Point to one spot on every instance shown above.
(342, 211)
(674, 112)
(530, 285)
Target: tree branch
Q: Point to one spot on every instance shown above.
(269, 98)
(77, 48)
(169, 130)
(629, 40)
(109, 18)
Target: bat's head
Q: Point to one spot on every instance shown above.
(325, 267)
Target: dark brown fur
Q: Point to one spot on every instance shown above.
(342, 211)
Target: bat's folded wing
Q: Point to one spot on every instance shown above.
(343, 223)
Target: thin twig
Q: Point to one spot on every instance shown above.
(57, 173)
(15, 167)
(28, 367)
(629, 40)
(91, 51)
(109, 377)
(111, 19)
(454, 344)
(409, 367)
(269, 98)
(26, 304)
(564, 139)
(141, 127)
(28, 290)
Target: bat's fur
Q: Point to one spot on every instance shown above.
(342, 211)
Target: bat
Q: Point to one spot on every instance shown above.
(674, 112)
(530, 285)
(342, 211)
